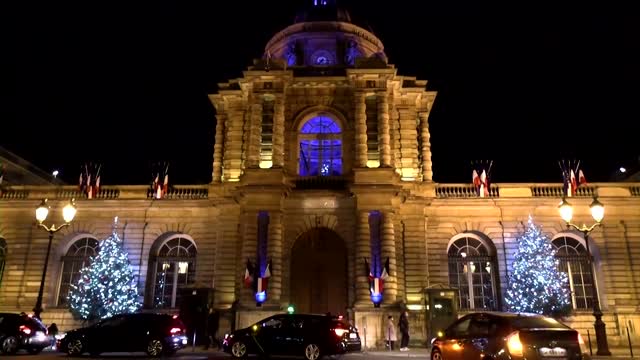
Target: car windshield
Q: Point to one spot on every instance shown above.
(536, 322)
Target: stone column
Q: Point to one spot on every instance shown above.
(427, 171)
(395, 139)
(232, 159)
(217, 148)
(278, 132)
(255, 134)
(275, 254)
(361, 129)
(383, 129)
(389, 251)
(363, 250)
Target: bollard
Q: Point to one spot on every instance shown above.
(629, 340)
(193, 345)
(589, 338)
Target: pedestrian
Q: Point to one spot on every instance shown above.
(213, 322)
(391, 333)
(53, 331)
(404, 331)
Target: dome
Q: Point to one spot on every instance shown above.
(323, 35)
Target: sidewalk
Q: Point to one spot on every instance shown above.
(616, 353)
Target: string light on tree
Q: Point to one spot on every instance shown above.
(107, 286)
(536, 285)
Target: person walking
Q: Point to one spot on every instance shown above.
(404, 331)
(213, 322)
(391, 333)
(53, 331)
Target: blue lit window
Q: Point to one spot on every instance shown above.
(320, 147)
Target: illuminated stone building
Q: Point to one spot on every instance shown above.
(322, 159)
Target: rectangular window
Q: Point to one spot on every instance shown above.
(266, 141)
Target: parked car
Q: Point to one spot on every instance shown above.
(155, 334)
(20, 331)
(501, 335)
(311, 336)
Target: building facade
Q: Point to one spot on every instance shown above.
(322, 162)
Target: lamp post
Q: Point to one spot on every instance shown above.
(68, 213)
(597, 212)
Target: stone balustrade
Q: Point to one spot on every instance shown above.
(201, 192)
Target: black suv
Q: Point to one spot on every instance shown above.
(311, 336)
(19, 331)
(156, 334)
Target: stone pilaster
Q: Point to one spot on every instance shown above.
(278, 132)
(232, 155)
(361, 129)
(255, 134)
(226, 264)
(389, 251)
(408, 143)
(363, 250)
(395, 138)
(427, 171)
(383, 129)
(218, 147)
(275, 254)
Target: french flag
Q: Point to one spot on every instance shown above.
(572, 183)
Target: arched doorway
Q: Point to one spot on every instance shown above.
(319, 272)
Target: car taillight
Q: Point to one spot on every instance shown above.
(25, 329)
(175, 330)
(340, 332)
(513, 344)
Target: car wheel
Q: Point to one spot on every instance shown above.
(155, 347)
(239, 350)
(312, 352)
(9, 345)
(34, 351)
(75, 347)
(436, 354)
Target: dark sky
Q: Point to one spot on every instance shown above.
(126, 83)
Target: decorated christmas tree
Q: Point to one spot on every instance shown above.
(536, 285)
(107, 286)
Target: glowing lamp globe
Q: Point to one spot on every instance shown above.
(42, 211)
(597, 210)
(261, 296)
(69, 211)
(566, 210)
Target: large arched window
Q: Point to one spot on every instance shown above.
(174, 269)
(3, 256)
(574, 260)
(472, 270)
(320, 147)
(78, 256)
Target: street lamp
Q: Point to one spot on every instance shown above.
(42, 211)
(597, 212)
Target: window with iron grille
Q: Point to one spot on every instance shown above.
(472, 270)
(574, 261)
(175, 269)
(77, 257)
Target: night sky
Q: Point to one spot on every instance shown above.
(125, 83)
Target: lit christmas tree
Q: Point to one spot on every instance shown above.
(106, 287)
(535, 283)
